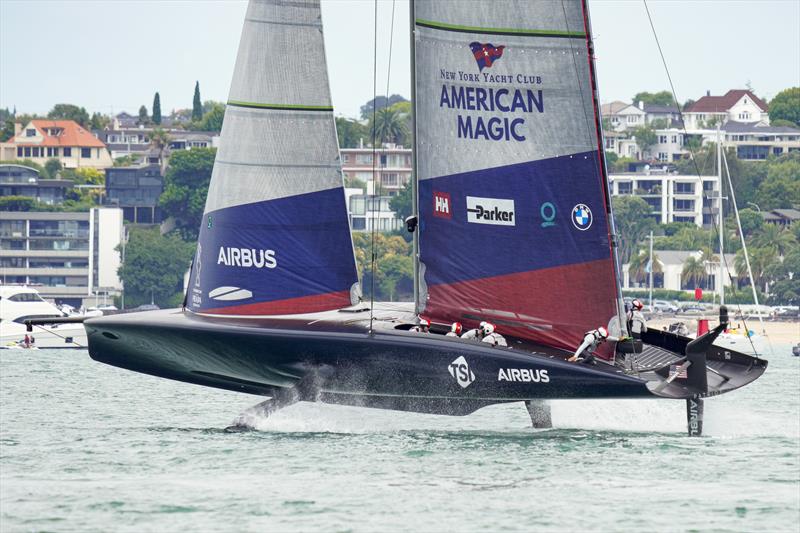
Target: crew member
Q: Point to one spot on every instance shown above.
(26, 341)
(636, 322)
(476, 333)
(491, 336)
(423, 327)
(591, 341)
(455, 330)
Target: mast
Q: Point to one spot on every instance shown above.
(721, 288)
(744, 246)
(650, 271)
(414, 195)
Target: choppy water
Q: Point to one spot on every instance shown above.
(88, 447)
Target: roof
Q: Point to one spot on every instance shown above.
(612, 107)
(791, 214)
(664, 109)
(19, 166)
(754, 127)
(73, 135)
(719, 104)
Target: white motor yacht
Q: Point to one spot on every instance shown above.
(19, 303)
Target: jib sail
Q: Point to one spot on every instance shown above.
(514, 223)
(275, 237)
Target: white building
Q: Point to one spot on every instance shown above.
(388, 174)
(739, 105)
(672, 197)
(671, 263)
(68, 257)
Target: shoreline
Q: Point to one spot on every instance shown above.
(776, 331)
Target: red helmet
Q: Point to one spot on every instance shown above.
(603, 332)
(424, 323)
(456, 328)
(636, 304)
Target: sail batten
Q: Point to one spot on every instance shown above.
(275, 237)
(513, 219)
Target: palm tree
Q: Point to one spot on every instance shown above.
(774, 237)
(159, 140)
(760, 260)
(693, 273)
(389, 126)
(709, 259)
(637, 267)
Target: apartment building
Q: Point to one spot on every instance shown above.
(671, 197)
(68, 257)
(65, 140)
(19, 180)
(386, 175)
(135, 190)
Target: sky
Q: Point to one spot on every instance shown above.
(112, 55)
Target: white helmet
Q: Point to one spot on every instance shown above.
(424, 323)
(456, 328)
(603, 332)
(487, 328)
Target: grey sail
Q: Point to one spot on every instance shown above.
(275, 237)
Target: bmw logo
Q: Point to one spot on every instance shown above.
(582, 217)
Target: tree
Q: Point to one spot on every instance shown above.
(52, 167)
(645, 138)
(380, 102)
(402, 203)
(99, 121)
(694, 273)
(633, 221)
(350, 132)
(143, 117)
(751, 220)
(159, 140)
(611, 158)
(154, 265)
(69, 112)
(197, 104)
(659, 98)
(17, 203)
(157, 109)
(781, 188)
(389, 126)
(637, 267)
(786, 106)
(776, 238)
(186, 187)
(212, 120)
(354, 183)
(760, 261)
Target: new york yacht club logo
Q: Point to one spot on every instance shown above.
(486, 54)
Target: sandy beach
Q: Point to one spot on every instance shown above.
(781, 332)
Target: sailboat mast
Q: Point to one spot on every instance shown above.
(602, 161)
(721, 288)
(414, 174)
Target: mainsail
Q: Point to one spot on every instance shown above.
(513, 203)
(275, 237)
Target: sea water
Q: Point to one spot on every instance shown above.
(88, 447)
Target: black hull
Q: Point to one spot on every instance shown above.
(387, 368)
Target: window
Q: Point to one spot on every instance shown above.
(683, 205)
(364, 159)
(67, 151)
(777, 150)
(674, 139)
(25, 297)
(684, 188)
(624, 187)
(19, 151)
(35, 151)
(663, 156)
(632, 119)
(86, 153)
(30, 132)
(662, 139)
(346, 158)
(389, 180)
(27, 151)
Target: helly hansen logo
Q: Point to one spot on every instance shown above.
(459, 369)
(494, 211)
(442, 205)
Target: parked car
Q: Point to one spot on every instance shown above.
(663, 306)
(693, 310)
(786, 311)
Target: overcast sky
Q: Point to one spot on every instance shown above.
(113, 55)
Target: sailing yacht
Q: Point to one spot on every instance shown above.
(513, 225)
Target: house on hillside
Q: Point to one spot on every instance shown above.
(72, 144)
(739, 105)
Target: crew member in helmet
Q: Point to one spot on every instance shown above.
(592, 339)
(475, 333)
(491, 336)
(636, 322)
(455, 330)
(423, 327)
